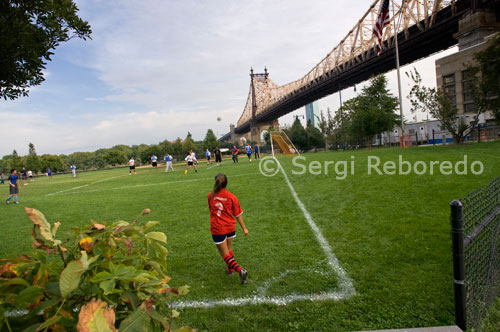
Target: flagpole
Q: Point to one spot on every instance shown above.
(398, 72)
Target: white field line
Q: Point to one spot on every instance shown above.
(345, 288)
(84, 185)
(69, 192)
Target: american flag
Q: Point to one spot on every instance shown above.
(382, 21)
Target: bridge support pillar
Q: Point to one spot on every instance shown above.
(474, 27)
(257, 129)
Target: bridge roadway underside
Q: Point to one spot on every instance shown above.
(418, 45)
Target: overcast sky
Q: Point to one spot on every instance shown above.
(155, 70)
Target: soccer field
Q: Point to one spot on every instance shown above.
(366, 252)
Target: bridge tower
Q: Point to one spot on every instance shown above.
(256, 128)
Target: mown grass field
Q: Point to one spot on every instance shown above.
(390, 233)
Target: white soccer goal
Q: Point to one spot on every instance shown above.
(281, 144)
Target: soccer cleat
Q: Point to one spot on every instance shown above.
(244, 276)
(16, 202)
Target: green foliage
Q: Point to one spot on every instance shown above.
(315, 139)
(373, 111)
(188, 144)
(122, 264)
(441, 107)
(484, 83)
(29, 32)
(14, 161)
(32, 160)
(54, 162)
(115, 157)
(298, 135)
(492, 322)
(210, 142)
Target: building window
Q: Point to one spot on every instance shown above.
(466, 86)
(449, 87)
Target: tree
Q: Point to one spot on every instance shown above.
(15, 161)
(483, 79)
(115, 157)
(32, 161)
(373, 111)
(441, 107)
(177, 148)
(188, 144)
(29, 32)
(54, 162)
(165, 146)
(298, 135)
(210, 142)
(315, 139)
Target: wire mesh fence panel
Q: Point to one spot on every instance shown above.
(481, 222)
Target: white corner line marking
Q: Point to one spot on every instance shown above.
(345, 288)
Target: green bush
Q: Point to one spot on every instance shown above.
(102, 277)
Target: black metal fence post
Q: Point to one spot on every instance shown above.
(457, 237)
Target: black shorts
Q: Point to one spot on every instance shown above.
(23, 177)
(13, 190)
(218, 159)
(132, 167)
(208, 158)
(190, 163)
(154, 164)
(218, 239)
(249, 155)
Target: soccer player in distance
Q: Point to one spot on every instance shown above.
(168, 162)
(249, 151)
(235, 154)
(256, 150)
(208, 154)
(13, 186)
(154, 161)
(190, 161)
(224, 208)
(218, 156)
(131, 165)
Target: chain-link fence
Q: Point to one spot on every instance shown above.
(475, 223)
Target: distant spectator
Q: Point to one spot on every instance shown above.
(30, 175)
(49, 173)
(256, 151)
(73, 170)
(2, 180)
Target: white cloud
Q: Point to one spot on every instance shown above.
(163, 68)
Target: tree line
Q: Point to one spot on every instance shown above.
(110, 157)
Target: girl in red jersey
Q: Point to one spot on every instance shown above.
(224, 208)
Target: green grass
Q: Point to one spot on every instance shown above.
(391, 234)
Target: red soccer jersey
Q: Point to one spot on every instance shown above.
(224, 207)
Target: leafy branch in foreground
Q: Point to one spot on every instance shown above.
(106, 278)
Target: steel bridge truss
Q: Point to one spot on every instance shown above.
(357, 46)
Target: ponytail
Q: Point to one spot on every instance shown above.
(220, 183)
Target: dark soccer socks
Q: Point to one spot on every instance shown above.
(231, 263)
